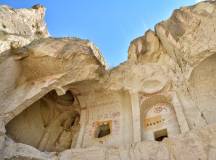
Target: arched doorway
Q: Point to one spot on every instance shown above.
(158, 119)
(50, 124)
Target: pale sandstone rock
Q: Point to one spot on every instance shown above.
(169, 69)
(192, 145)
(18, 27)
(145, 49)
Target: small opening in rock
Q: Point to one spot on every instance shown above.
(160, 134)
(3, 25)
(103, 129)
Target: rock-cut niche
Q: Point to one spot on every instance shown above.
(158, 119)
(50, 124)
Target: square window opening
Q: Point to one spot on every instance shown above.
(160, 134)
(103, 129)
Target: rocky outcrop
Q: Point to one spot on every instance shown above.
(172, 67)
(42, 66)
(18, 27)
(145, 49)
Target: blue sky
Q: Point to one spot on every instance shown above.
(110, 24)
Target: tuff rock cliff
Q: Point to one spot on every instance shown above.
(58, 100)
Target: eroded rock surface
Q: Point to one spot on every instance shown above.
(58, 100)
(18, 27)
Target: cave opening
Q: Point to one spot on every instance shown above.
(50, 124)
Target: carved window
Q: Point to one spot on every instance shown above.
(103, 129)
(160, 134)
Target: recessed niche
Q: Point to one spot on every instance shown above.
(103, 129)
(50, 124)
(158, 119)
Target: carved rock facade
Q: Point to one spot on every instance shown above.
(58, 100)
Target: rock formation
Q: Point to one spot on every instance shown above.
(58, 100)
(18, 27)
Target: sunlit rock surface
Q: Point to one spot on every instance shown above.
(18, 27)
(58, 100)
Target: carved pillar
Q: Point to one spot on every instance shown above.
(82, 128)
(136, 116)
(179, 113)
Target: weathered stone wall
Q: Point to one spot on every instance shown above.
(202, 87)
(108, 106)
(196, 144)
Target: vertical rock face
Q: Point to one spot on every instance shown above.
(58, 101)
